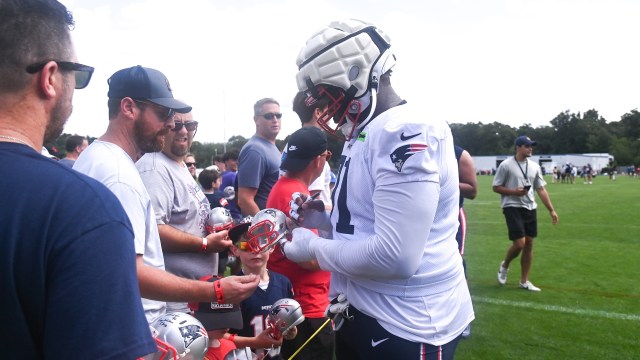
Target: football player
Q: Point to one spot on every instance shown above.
(397, 279)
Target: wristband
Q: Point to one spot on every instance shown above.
(205, 242)
(219, 294)
(232, 337)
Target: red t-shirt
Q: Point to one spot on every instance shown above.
(218, 353)
(310, 288)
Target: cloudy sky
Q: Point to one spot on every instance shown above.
(511, 61)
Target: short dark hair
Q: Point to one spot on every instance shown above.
(73, 142)
(232, 154)
(31, 31)
(305, 111)
(257, 107)
(206, 177)
(217, 158)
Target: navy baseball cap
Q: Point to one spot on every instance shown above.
(303, 146)
(214, 316)
(524, 140)
(142, 83)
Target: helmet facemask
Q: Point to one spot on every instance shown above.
(267, 230)
(263, 236)
(343, 113)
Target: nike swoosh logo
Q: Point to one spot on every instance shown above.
(405, 138)
(376, 343)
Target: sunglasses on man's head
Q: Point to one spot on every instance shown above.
(164, 113)
(190, 125)
(82, 72)
(270, 116)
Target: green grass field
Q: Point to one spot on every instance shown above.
(587, 267)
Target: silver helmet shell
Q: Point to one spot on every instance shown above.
(184, 333)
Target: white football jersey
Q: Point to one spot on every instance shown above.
(395, 207)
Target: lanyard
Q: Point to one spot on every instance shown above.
(526, 169)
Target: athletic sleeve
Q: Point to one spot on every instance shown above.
(391, 252)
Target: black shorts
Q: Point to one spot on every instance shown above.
(319, 348)
(521, 222)
(363, 338)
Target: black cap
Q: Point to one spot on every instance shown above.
(142, 83)
(239, 229)
(214, 316)
(524, 140)
(303, 146)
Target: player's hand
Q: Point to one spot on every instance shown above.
(237, 288)
(265, 340)
(297, 249)
(302, 202)
(554, 217)
(218, 241)
(291, 333)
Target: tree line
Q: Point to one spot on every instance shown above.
(568, 133)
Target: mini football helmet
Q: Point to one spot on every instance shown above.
(343, 62)
(283, 315)
(219, 219)
(267, 229)
(180, 336)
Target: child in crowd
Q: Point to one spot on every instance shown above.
(255, 309)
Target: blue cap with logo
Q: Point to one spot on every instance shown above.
(142, 83)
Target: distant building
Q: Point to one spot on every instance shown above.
(488, 164)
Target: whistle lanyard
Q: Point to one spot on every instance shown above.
(526, 169)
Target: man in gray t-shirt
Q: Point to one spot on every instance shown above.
(181, 208)
(515, 180)
(259, 160)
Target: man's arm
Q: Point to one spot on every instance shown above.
(511, 192)
(160, 285)
(246, 201)
(546, 200)
(177, 241)
(391, 252)
(467, 175)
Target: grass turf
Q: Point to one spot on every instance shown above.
(585, 265)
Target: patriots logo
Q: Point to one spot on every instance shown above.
(190, 333)
(400, 155)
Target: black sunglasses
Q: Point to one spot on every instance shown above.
(269, 116)
(190, 125)
(164, 115)
(190, 164)
(82, 72)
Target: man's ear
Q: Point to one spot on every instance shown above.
(48, 80)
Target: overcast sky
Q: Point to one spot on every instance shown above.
(510, 61)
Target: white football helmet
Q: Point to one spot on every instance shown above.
(268, 228)
(283, 315)
(343, 62)
(180, 336)
(219, 219)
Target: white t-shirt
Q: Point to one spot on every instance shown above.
(395, 214)
(322, 183)
(112, 166)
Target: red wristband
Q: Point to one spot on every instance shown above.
(232, 337)
(205, 242)
(219, 294)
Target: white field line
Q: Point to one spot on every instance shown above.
(560, 309)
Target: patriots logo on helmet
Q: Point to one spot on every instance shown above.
(190, 333)
(400, 155)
